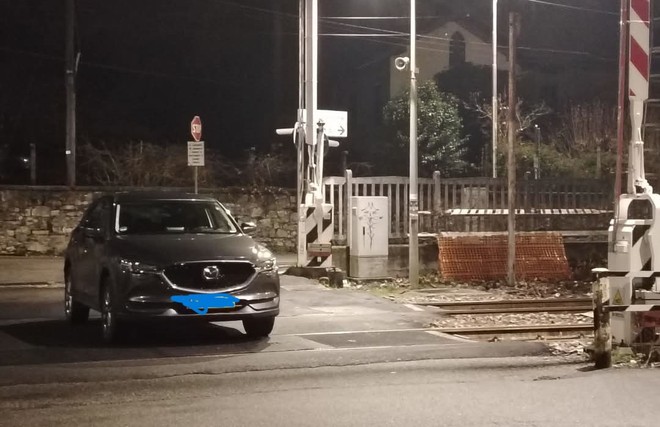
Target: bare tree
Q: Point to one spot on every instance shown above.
(145, 164)
(588, 127)
(140, 164)
(525, 116)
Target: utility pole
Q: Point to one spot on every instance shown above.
(70, 83)
(494, 104)
(512, 128)
(33, 163)
(413, 214)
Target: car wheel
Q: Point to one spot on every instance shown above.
(74, 311)
(110, 326)
(259, 327)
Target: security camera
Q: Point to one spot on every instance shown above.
(401, 63)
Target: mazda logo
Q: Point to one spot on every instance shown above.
(211, 273)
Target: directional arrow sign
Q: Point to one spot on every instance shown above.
(335, 122)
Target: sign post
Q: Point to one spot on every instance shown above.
(196, 147)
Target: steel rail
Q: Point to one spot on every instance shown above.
(513, 306)
(502, 330)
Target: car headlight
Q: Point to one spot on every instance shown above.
(266, 261)
(137, 267)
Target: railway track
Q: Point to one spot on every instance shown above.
(532, 331)
(549, 330)
(566, 305)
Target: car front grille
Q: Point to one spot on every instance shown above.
(201, 275)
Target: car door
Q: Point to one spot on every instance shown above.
(78, 256)
(92, 234)
(97, 246)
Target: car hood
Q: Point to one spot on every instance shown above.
(162, 250)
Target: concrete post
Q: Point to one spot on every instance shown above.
(602, 355)
(437, 201)
(347, 214)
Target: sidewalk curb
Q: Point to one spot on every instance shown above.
(31, 285)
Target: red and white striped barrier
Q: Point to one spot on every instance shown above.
(639, 46)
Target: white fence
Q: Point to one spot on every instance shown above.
(439, 196)
(340, 189)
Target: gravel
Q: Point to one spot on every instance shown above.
(434, 288)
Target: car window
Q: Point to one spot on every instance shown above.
(157, 216)
(95, 216)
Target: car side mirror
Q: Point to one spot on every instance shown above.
(248, 227)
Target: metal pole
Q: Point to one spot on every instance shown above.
(413, 248)
(311, 70)
(511, 164)
(494, 105)
(70, 84)
(623, 37)
(300, 193)
(195, 174)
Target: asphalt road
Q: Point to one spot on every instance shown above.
(313, 318)
(468, 392)
(336, 357)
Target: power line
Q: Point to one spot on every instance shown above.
(374, 34)
(543, 2)
(566, 6)
(329, 20)
(109, 66)
(358, 35)
(429, 37)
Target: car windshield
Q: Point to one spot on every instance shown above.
(172, 216)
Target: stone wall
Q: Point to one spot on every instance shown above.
(38, 220)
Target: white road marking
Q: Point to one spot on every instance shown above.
(414, 307)
(443, 335)
(376, 331)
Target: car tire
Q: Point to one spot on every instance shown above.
(110, 325)
(74, 311)
(259, 327)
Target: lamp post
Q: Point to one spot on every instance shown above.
(401, 63)
(413, 246)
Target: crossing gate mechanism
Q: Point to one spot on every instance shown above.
(319, 227)
(634, 234)
(633, 263)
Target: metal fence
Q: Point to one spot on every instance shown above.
(492, 193)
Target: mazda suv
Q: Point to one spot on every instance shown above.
(160, 255)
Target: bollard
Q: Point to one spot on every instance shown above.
(336, 277)
(602, 347)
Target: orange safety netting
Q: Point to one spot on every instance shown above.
(484, 257)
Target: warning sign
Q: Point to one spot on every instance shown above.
(617, 298)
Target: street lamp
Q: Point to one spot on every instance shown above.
(413, 203)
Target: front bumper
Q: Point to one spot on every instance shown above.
(149, 296)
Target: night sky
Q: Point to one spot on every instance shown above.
(148, 66)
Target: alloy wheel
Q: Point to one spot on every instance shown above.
(108, 321)
(68, 299)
